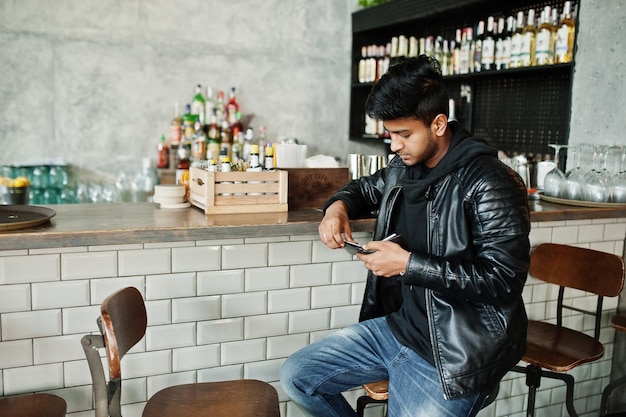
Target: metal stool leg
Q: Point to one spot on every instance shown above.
(363, 401)
(606, 393)
(533, 381)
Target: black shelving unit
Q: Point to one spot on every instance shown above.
(518, 110)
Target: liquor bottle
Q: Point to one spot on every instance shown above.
(543, 53)
(413, 47)
(429, 46)
(232, 99)
(214, 139)
(471, 46)
(527, 50)
(500, 38)
(198, 105)
(226, 139)
(209, 105)
(478, 46)
(487, 57)
(516, 41)
(198, 143)
(220, 108)
(554, 22)
(422, 46)
(175, 127)
(249, 140)
(506, 44)
(183, 162)
(163, 153)
(362, 69)
(393, 52)
(262, 140)
(565, 36)
(188, 119)
(464, 55)
(456, 53)
(439, 51)
(403, 46)
(446, 61)
(383, 63)
(237, 147)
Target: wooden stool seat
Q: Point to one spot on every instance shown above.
(377, 390)
(32, 405)
(618, 321)
(559, 348)
(215, 399)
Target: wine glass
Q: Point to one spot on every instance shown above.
(596, 183)
(554, 181)
(574, 177)
(617, 184)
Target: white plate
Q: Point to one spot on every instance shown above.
(176, 206)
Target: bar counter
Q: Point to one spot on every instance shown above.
(104, 224)
(228, 297)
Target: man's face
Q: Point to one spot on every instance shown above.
(415, 142)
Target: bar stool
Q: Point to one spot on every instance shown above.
(122, 324)
(32, 405)
(378, 392)
(553, 349)
(619, 323)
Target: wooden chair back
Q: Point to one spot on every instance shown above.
(123, 324)
(583, 269)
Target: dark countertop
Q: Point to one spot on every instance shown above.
(115, 224)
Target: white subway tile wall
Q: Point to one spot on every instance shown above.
(232, 309)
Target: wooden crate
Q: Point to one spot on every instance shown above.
(238, 192)
(311, 187)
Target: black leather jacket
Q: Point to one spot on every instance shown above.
(474, 273)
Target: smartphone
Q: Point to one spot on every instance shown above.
(355, 248)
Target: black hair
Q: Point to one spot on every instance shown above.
(411, 88)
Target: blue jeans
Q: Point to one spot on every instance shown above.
(315, 376)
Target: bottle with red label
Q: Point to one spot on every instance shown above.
(163, 154)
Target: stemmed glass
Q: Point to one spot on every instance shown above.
(596, 183)
(574, 177)
(617, 184)
(554, 180)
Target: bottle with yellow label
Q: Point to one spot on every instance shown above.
(565, 36)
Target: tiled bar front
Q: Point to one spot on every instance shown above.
(232, 308)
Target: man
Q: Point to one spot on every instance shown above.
(442, 317)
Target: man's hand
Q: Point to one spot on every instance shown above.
(335, 225)
(389, 260)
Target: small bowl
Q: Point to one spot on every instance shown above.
(14, 195)
(168, 200)
(169, 190)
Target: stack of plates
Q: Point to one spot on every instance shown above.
(170, 196)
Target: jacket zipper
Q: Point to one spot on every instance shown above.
(428, 292)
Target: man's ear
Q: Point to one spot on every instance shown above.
(439, 124)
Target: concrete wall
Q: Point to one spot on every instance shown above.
(599, 86)
(94, 82)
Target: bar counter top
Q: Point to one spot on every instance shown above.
(126, 223)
